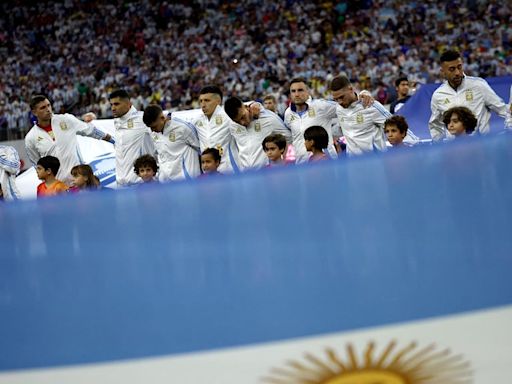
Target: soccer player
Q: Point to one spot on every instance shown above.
(402, 90)
(213, 128)
(133, 137)
(176, 142)
(305, 112)
(363, 128)
(55, 134)
(249, 131)
(9, 168)
(461, 90)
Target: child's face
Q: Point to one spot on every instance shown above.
(455, 126)
(41, 172)
(79, 180)
(273, 152)
(309, 144)
(208, 163)
(395, 137)
(146, 173)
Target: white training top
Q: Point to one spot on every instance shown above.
(249, 139)
(215, 133)
(65, 147)
(133, 139)
(177, 147)
(9, 168)
(319, 112)
(473, 93)
(363, 128)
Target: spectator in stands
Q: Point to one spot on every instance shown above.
(395, 128)
(55, 134)
(176, 142)
(402, 91)
(274, 146)
(210, 161)
(316, 140)
(146, 168)
(47, 168)
(83, 178)
(249, 129)
(9, 167)
(459, 121)
(133, 137)
(213, 128)
(461, 90)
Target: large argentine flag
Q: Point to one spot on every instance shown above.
(391, 269)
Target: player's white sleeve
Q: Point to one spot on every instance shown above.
(435, 124)
(508, 119)
(493, 101)
(282, 128)
(9, 168)
(86, 129)
(31, 149)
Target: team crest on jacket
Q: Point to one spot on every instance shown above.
(63, 126)
(390, 365)
(257, 126)
(130, 123)
(359, 118)
(469, 95)
(311, 112)
(220, 149)
(199, 123)
(218, 120)
(172, 136)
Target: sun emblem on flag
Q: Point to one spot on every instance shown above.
(408, 365)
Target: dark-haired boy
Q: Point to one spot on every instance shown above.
(395, 129)
(47, 168)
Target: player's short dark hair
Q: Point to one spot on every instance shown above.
(275, 138)
(339, 82)
(214, 152)
(468, 119)
(450, 55)
(318, 134)
(299, 80)
(36, 99)
(232, 106)
(399, 121)
(400, 79)
(121, 93)
(211, 89)
(145, 161)
(49, 162)
(151, 114)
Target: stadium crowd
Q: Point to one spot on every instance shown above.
(78, 51)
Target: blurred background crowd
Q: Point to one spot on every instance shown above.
(78, 51)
